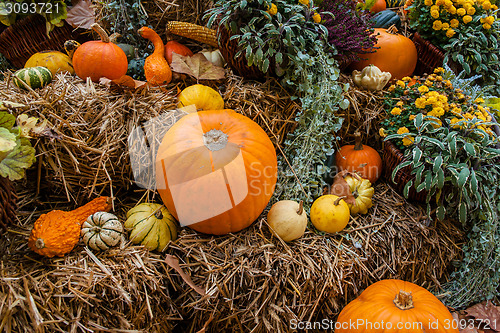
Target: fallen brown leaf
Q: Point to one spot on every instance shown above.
(197, 66)
(174, 263)
(81, 15)
(124, 82)
(464, 324)
(487, 314)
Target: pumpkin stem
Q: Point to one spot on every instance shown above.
(159, 214)
(301, 207)
(114, 37)
(357, 143)
(336, 203)
(403, 300)
(39, 243)
(104, 36)
(215, 139)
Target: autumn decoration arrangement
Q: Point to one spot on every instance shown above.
(219, 167)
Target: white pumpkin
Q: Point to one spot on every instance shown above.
(102, 231)
(214, 56)
(288, 219)
(151, 225)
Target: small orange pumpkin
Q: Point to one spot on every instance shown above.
(156, 67)
(379, 6)
(97, 59)
(395, 306)
(175, 47)
(361, 159)
(216, 171)
(396, 54)
(57, 232)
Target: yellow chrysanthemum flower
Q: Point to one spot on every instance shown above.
(450, 33)
(434, 14)
(460, 2)
(304, 2)
(382, 132)
(461, 11)
(448, 3)
(272, 10)
(454, 23)
(431, 100)
(467, 19)
(453, 121)
(428, 2)
(400, 84)
(435, 7)
(403, 130)
(494, 7)
(408, 140)
(486, 26)
(452, 10)
(440, 2)
(428, 83)
(316, 18)
(437, 25)
(391, 88)
(423, 89)
(396, 111)
(411, 117)
(406, 78)
(438, 70)
(438, 112)
(486, 5)
(420, 103)
(400, 104)
(471, 11)
(479, 100)
(489, 20)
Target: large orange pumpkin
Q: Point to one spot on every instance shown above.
(395, 306)
(216, 171)
(361, 159)
(97, 59)
(396, 54)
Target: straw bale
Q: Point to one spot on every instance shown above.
(253, 280)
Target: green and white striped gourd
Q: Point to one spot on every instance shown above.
(102, 231)
(35, 77)
(151, 225)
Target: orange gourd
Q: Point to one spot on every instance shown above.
(216, 171)
(156, 68)
(379, 6)
(396, 54)
(57, 232)
(395, 306)
(361, 159)
(173, 46)
(98, 59)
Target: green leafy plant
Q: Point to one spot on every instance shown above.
(16, 152)
(452, 148)
(468, 31)
(287, 38)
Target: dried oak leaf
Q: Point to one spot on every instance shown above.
(197, 66)
(340, 187)
(487, 313)
(81, 15)
(461, 320)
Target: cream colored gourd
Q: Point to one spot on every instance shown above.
(287, 219)
(151, 225)
(371, 78)
(363, 192)
(214, 56)
(102, 231)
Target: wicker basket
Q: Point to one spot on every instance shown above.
(8, 204)
(29, 36)
(391, 157)
(429, 56)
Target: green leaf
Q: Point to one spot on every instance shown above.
(463, 176)
(462, 212)
(473, 181)
(13, 166)
(440, 178)
(428, 180)
(399, 167)
(441, 212)
(7, 120)
(406, 190)
(438, 161)
(469, 148)
(453, 147)
(417, 154)
(7, 140)
(419, 119)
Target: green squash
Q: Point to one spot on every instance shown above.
(128, 49)
(35, 77)
(385, 19)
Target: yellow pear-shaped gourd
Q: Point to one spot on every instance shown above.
(329, 213)
(204, 97)
(55, 61)
(288, 219)
(363, 192)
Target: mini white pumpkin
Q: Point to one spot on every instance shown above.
(102, 231)
(215, 57)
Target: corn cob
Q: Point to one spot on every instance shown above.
(193, 31)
